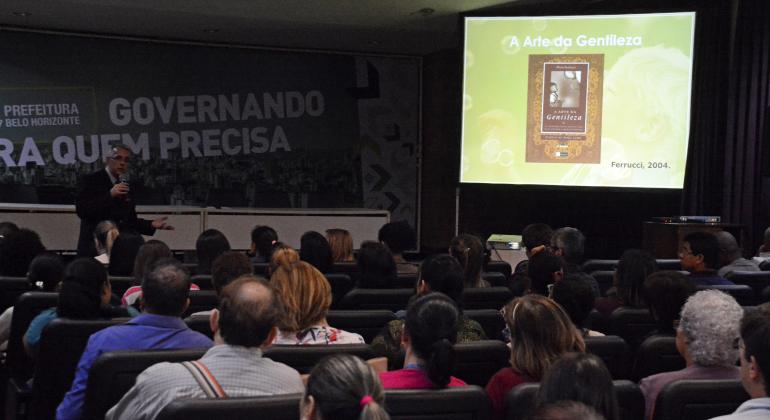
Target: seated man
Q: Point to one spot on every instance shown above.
(755, 366)
(224, 270)
(398, 237)
(244, 324)
(569, 243)
(699, 254)
(164, 299)
(730, 256)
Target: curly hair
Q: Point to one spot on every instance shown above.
(711, 321)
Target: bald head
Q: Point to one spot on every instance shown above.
(729, 250)
(248, 312)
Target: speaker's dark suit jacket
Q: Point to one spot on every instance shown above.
(94, 204)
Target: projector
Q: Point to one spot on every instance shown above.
(503, 241)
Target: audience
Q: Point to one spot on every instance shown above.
(305, 295)
(165, 292)
(262, 240)
(569, 243)
(764, 249)
(228, 267)
(85, 294)
(376, 268)
(574, 294)
(398, 237)
(123, 254)
(438, 273)
(633, 268)
(314, 249)
(470, 253)
(243, 325)
(282, 255)
(105, 234)
(708, 329)
(146, 257)
(211, 243)
(541, 332)
(754, 346)
(17, 250)
(341, 244)
(429, 335)
(699, 254)
(581, 377)
(343, 387)
(7, 228)
(731, 255)
(665, 293)
(534, 237)
(544, 270)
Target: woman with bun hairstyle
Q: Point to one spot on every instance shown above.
(429, 335)
(343, 387)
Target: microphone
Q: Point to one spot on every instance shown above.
(124, 178)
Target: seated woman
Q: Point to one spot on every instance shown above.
(341, 244)
(149, 253)
(706, 337)
(314, 249)
(104, 237)
(576, 296)
(429, 334)
(306, 296)
(633, 268)
(281, 254)
(438, 273)
(581, 377)
(470, 253)
(541, 332)
(665, 293)
(343, 387)
(210, 244)
(123, 254)
(376, 268)
(84, 294)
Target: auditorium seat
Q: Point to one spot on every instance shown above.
(341, 284)
(261, 269)
(520, 401)
(657, 354)
(201, 324)
(597, 322)
(120, 284)
(490, 319)
(764, 265)
(10, 290)
(742, 293)
(61, 345)
(669, 264)
(632, 325)
(366, 323)
(27, 307)
(614, 352)
(203, 281)
(114, 373)
(495, 278)
(280, 407)
(757, 280)
(344, 268)
(458, 403)
(405, 280)
(698, 399)
(303, 358)
(501, 267)
(367, 299)
(596, 265)
(486, 297)
(477, 361)
(201, 300)
(604, 278)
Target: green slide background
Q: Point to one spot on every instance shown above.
(646, 99)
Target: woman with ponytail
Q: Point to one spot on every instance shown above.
(470, 253)
(343, 387)
(430, 332)
(104, 236)
(85, 293)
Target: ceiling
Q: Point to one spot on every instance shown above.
(395, 26)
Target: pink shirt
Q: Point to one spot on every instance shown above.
(412, 379)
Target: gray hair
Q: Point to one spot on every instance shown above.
(711, 321)
(571, 242)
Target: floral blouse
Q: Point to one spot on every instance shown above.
(318, 334)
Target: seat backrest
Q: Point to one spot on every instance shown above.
(486, 297)
(614, 352)
(520, 401)
(27, 307)
(10, 290)
(657, 354)
(669, 264)
(604, 278)
(502, 267)
(490, 319)
(405, 280)
(341, 284)
(201, 324)
(201, 300)
(261, 269)
(495, 279)
(478, 361)
(389, 299)
(366, 323)
(742, 293)
(114, 373)
(303, 358)
(631, 324)
(458, 403)
(120, 284)
(61, 345)
(275, 407)
(203, 281)
(698, 399)
(757, 280)
(598, 322)
(344, 268)
(597, 264)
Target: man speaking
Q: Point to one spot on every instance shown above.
(106, 195)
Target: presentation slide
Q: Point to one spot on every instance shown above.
(594, 101)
